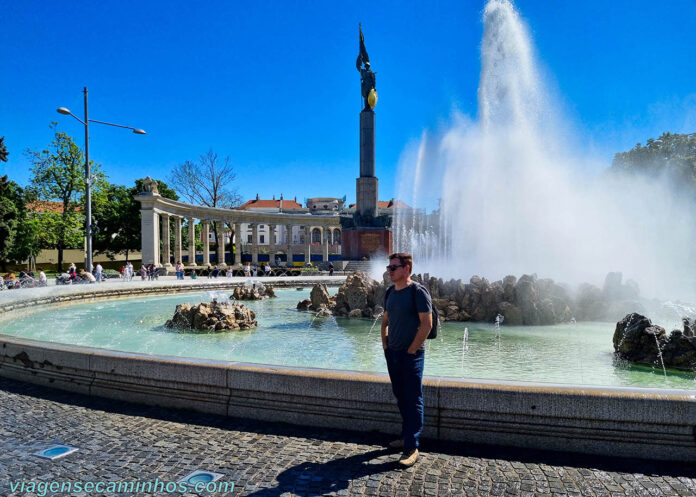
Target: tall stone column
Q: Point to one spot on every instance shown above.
(288, 241)
(166, 233)
(192, 241)
(367, 183)
(326, 233)
(271, 242)
(150, 230)
(206, 241)
(238, 243)
(254, 243)
(221, 244)
(177, 239)
(308, 244)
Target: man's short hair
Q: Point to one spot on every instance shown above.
(405, 259)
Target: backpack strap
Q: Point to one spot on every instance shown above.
(386, 296)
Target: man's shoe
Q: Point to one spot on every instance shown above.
(408, 458)
(397, 444)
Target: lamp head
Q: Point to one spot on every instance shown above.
(139, 131)
(64, 111)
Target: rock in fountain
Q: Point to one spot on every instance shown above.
(637, 340)
(255, 292)
(213, 316)
(360, 296)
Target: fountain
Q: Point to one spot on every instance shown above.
(516, 199)
(540, 398)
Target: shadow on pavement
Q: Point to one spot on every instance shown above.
(552, 458)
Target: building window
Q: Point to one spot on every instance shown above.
(262, 238)
(260, 226)
(316, 235)
(249, 238)
(336, 236)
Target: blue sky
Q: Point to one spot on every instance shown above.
(274, 86)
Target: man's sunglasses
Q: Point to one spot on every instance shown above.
(394, 267)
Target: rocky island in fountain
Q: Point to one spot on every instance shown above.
(525, 301)
(213, 316)
(254, 292)
(637, 340)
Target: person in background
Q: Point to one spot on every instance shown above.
(86, 275)
(99, 270)
(179, 270)
(43, 281)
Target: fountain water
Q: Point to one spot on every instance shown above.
(516, 199)
(374, 323)
(659, 356)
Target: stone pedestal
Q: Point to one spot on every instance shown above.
(357, 243)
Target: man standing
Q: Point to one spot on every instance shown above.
(404, 331)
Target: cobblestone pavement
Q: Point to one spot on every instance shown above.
(124, 442)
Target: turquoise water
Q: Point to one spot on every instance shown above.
(578, 354)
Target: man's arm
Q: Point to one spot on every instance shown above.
(385, 329)
(426, 323)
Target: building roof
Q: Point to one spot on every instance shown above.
(269, 204)
(49, 206)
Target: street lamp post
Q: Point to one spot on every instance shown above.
(88, 175)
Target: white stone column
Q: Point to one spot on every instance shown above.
(238, 243)
(254, 243)
(308, 243)
(150, 230)
(271, 243)
(221, 244)
(166, 233)
(206, 241)
(192, 241)
(177, 239)
(288, 241)
(326, 233)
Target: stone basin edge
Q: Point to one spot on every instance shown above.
(614, 421)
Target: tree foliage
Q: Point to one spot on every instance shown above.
(117, 216)
(58, 175)
(208, 182)
(672, 156)
(3, 150)
(9, 218)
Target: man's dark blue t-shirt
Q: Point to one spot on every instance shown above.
(403, 319)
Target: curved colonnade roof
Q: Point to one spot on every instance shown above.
(182, 209)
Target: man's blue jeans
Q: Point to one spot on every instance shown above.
(406, 375)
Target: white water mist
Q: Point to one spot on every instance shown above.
(514, 201)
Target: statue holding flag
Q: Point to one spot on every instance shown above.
(367, 77)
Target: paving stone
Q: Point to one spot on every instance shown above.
(124, 442)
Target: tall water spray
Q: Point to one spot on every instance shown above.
(515, 201)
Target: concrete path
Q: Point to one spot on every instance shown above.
(131, 443)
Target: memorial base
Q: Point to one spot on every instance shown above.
(358, 243)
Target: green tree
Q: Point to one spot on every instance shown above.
(117, 216)
(672, 156)
(58, 175)
(9, 217)
(3, 150)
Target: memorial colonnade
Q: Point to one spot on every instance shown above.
(159, 216)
